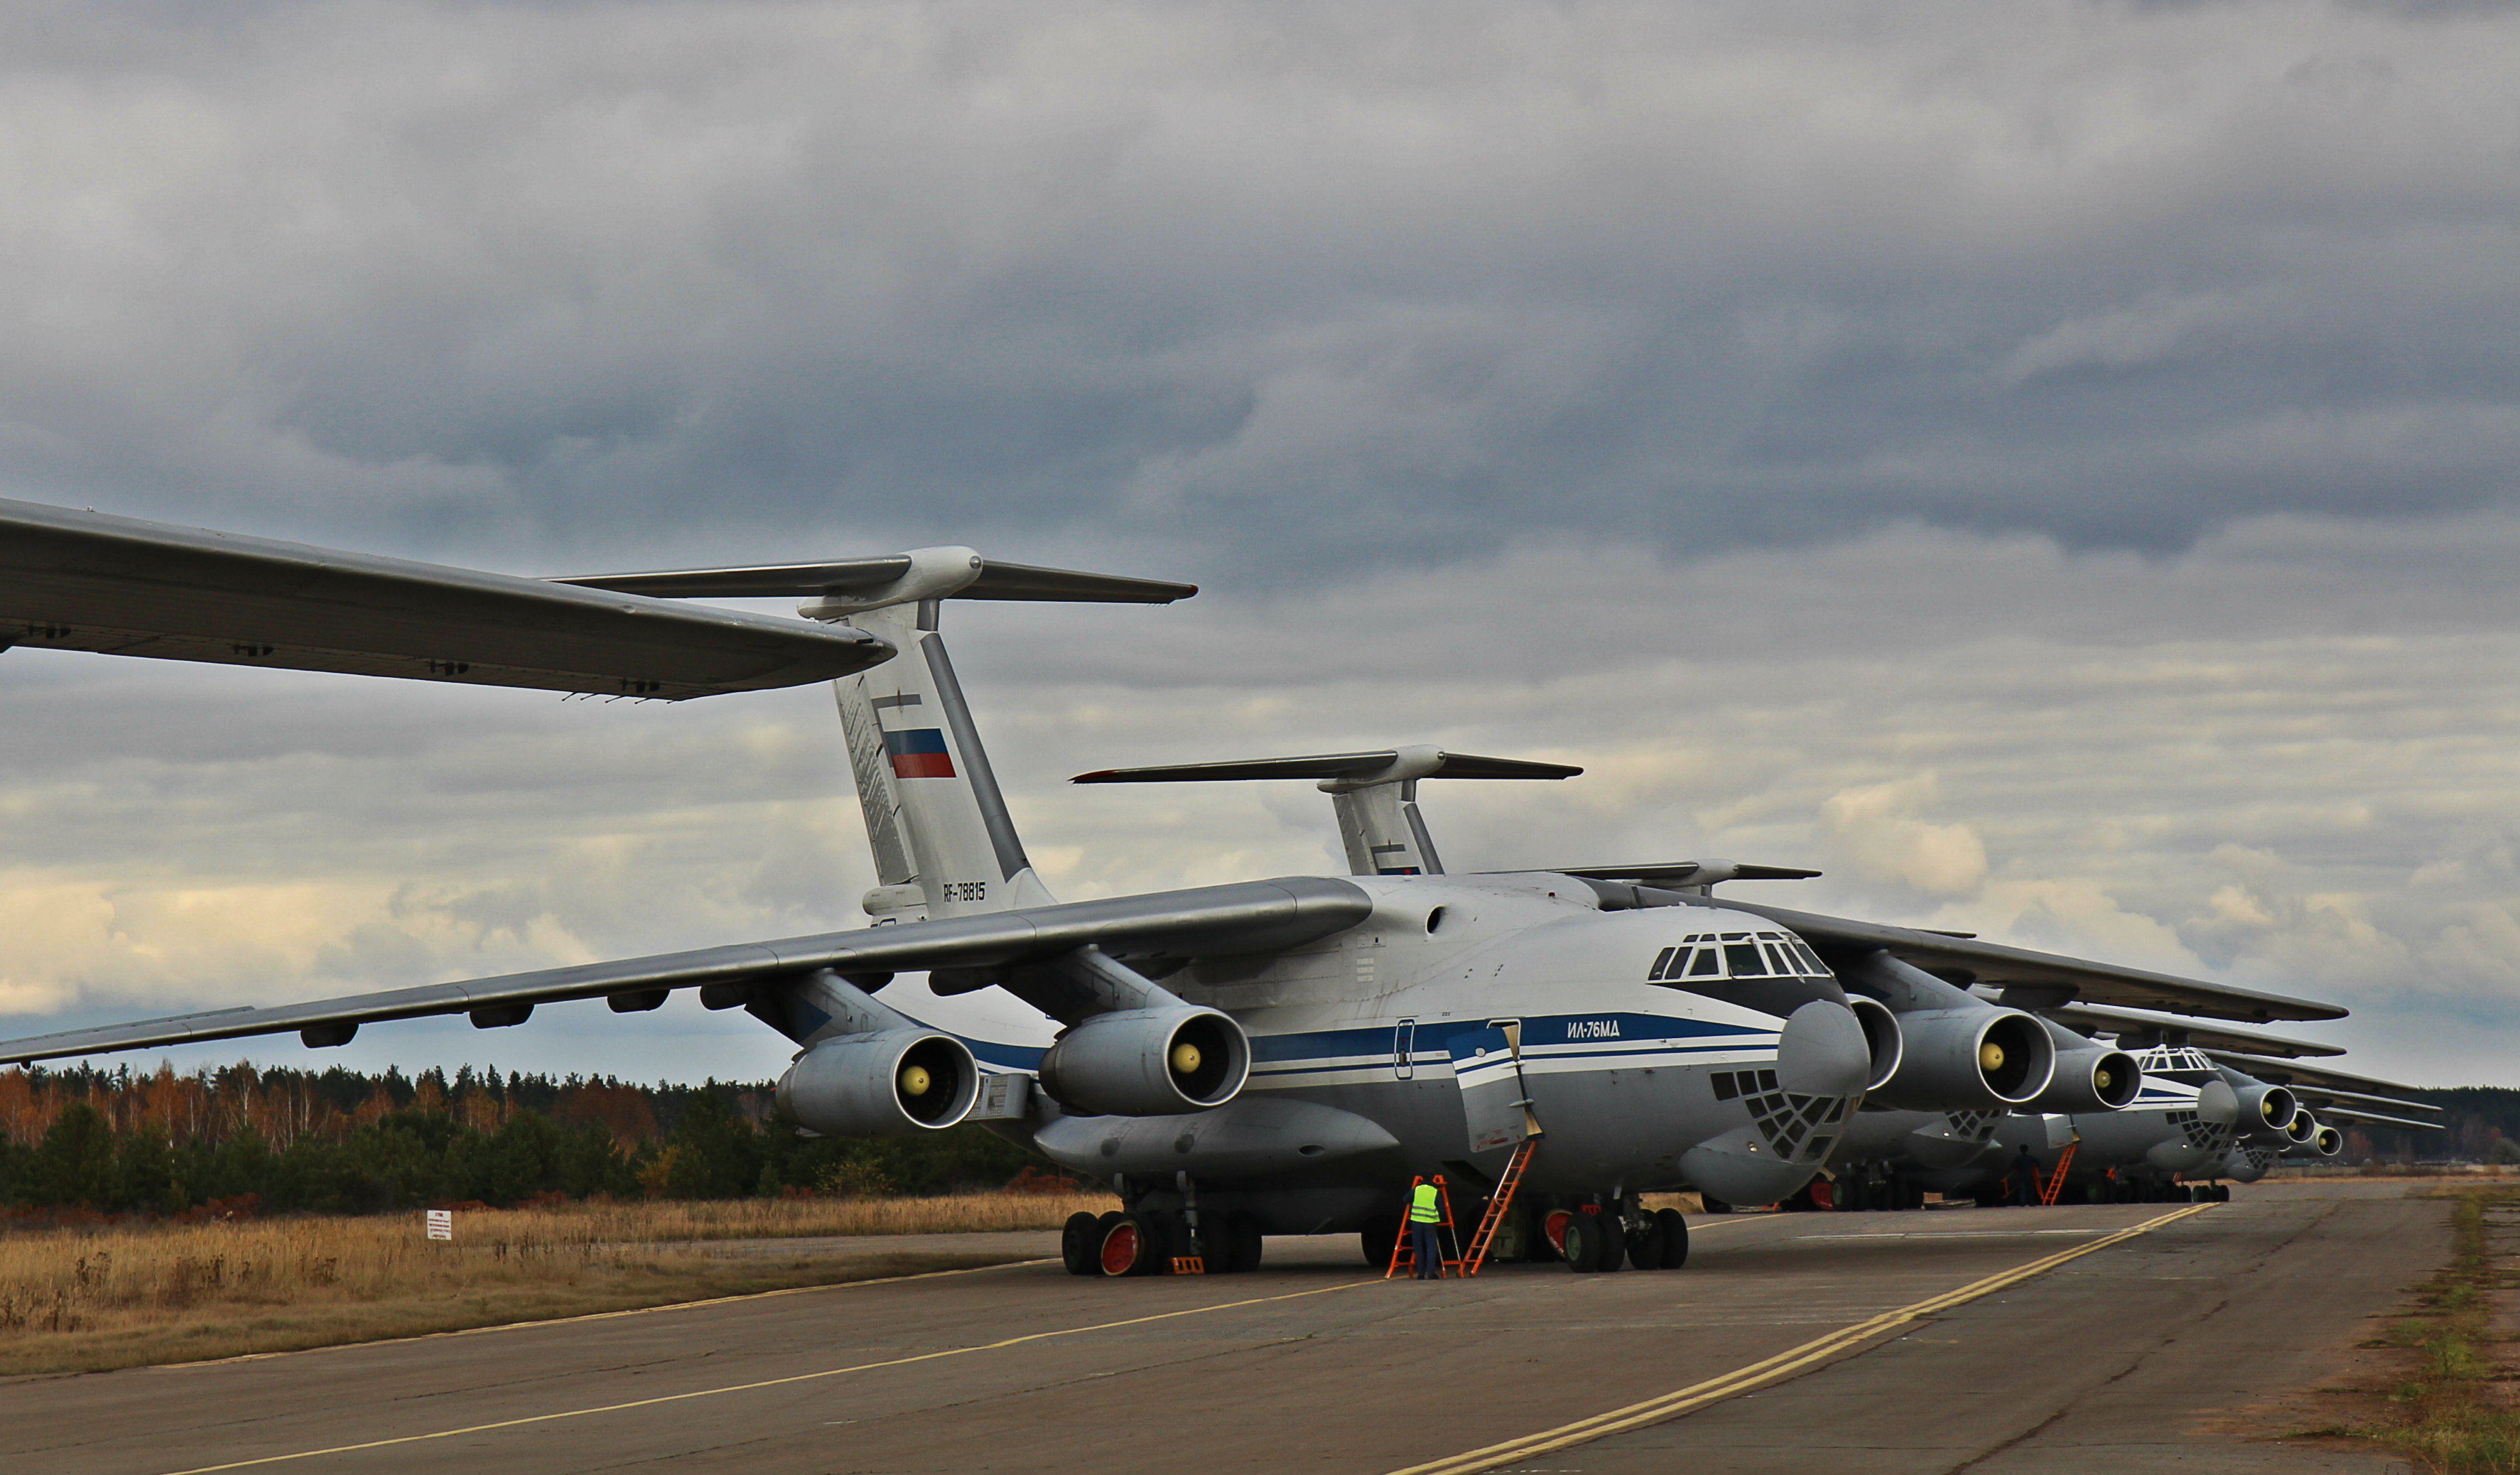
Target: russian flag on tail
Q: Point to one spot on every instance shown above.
(919, 754)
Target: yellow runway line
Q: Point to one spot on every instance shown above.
(801, 1377)
(1783, 1364)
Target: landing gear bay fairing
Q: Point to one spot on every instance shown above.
(1276, 1056)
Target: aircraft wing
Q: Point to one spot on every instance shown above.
(2029, 980)
(2090, 1020)
(2297, 1076)
(1246, 917)
(2374, 1119)
(997, 579)
(87, 581)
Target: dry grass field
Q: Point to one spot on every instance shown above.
(93, 1298)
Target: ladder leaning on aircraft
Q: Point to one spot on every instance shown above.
(1273, 1056)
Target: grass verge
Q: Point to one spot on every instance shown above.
(94, 1299)
(2451, 1411)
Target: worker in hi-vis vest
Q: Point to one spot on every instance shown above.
(1423, 1215)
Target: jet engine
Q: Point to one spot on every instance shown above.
(2266, 1111)
(2327, 1141)
(1973, 1057)
(1880, 1038)
(2302, 1129)
(2090, 1077)
(1147, 1062)
(897, 1083)
(1957, 1052)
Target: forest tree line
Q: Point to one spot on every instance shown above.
(342, 1141)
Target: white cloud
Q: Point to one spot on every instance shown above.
(1879, 828)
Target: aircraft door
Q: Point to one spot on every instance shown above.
(1487, 1065)
(1404, 1050)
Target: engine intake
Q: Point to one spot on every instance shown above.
(1880, 1036)
(2327, 1141)
(2089, 1078)
(2302, 1127)
(1969, 1058)
(2267, 1112)
(898, 1083)
(1147, 1062)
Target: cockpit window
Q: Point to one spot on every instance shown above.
(1708, 963)
(1741, 959)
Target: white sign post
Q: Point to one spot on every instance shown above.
(441, 1223)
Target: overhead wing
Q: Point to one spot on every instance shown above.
(86, 581)
(2029, 980)
(1247, 917)
(1687, 873)
(1431, 764)
(2376, 1119)
(2308, 1080)
(2092, 1020)
(997, 580)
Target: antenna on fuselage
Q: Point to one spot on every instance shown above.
(1374, 794)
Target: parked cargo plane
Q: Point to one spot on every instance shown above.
(1270, 1057)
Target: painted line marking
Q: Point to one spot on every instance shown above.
(594, 1315)
(801, 1377)
(1783, 1364)
(1950, 1234)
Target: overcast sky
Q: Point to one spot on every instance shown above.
(2051, 465)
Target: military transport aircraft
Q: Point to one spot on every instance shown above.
(1270, 1057)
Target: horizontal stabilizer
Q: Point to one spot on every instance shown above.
(1246, 916)
(2090, 1019)
(1684, 873)
(994, 580)
(1420, 763)
(72, 580)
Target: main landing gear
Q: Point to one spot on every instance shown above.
(1153, 1242)
(1592, 1239)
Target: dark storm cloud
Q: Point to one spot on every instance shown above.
(1276, 288)
(2048, 465)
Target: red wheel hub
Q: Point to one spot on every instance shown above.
(1121, 1248)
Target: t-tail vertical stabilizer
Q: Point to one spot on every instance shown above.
(943, 843)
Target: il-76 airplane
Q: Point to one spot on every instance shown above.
(1270, 1056)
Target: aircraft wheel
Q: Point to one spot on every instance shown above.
(2222, 1193)
(1614, 1240)
(1553, 1235)
(1079, 1244)
(1128, 1248)
(1583, 1243)
(1674, 1238)
(1645, 1245)
(1713, 1204)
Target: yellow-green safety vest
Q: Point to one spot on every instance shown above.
(1422, 1205)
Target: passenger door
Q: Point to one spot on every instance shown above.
(1487, 1065)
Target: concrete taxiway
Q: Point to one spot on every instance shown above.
(2146, 1353)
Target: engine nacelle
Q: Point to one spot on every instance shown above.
(2266, 1112)
(1880, 1036)
(2327, 1141)
(898, 1083)
(2089, 1078)
(1972, 1056)
(2302, 1127)
(1147, 1062)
